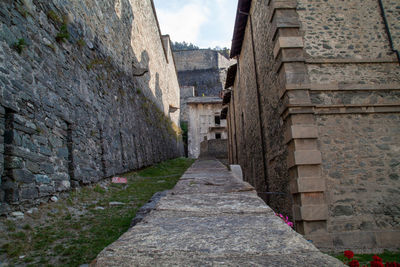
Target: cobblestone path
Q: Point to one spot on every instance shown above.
(212, 218)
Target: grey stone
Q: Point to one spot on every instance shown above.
(45, 150)
(17, 214)
(42, 179)
(47, 168)
(32, 166)
(29, 193)
(337, 175)
(45, 190)
(32, 210)
(115, 203)
(383, 146)
(63, 152)
(55, 142)
(341, 210)
(14, 163)
(23, 176)
(149, 206)
(63, 185)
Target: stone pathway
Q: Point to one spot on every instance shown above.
(212, 218)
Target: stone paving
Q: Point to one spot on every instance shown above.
(212, 218)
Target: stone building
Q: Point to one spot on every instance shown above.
(201, 72)
(205, 69)
(205, 122)
(314, 115)
(88, 89)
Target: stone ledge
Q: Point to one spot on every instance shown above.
(283, 18)
(287, 42)
(338, 109)
(304, 157)
(307, 185)
(300, 132)
(281, 4)
(311, 213)
(392, 60)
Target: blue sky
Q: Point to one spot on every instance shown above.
(205, 23)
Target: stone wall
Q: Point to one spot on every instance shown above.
(316, 100)
(186, 92)
(217, 148)
(202, 111)
(204, 69)
(75, 110)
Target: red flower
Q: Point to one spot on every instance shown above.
(354, 263)
(376, 258)
(376, 264)
(349, 254)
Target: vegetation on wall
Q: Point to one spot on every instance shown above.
(225, 51)
(20, 45)
(183, 46)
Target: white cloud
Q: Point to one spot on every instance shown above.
(206, 23)
(183, 24)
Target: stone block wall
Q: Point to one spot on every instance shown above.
(204, 69)
(186, 92)
(217, 148)
(316, 93)
(202, 111)
(75, 110)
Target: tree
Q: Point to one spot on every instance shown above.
(183, 46)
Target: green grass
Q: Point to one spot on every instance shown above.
(71, 239)
(387, 256)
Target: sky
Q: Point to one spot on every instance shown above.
(205, 23)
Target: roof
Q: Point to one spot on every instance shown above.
(230, 76)
(240, 26)
(204, 100)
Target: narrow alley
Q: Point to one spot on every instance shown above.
(212, 218)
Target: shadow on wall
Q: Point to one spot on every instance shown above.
(85, 114)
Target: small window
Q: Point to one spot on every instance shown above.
(217, 120)
(217, 136)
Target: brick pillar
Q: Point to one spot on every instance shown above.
(301, 135)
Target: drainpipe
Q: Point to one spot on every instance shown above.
(388, 30)
(234, 117)
(263, 144)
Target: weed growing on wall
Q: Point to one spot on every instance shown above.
(52, 15)
(20, 45)
(63, 34)
(22, 10)
(81, 43)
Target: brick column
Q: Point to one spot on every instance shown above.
(301, 134)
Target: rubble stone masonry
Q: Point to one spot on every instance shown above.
(315, 118)
(86, 89)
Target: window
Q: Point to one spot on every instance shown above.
(218, 136)
(217, 120)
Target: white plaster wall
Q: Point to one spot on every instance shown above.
(201, 117)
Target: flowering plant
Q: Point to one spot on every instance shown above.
(285, 219)
(376, 261)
